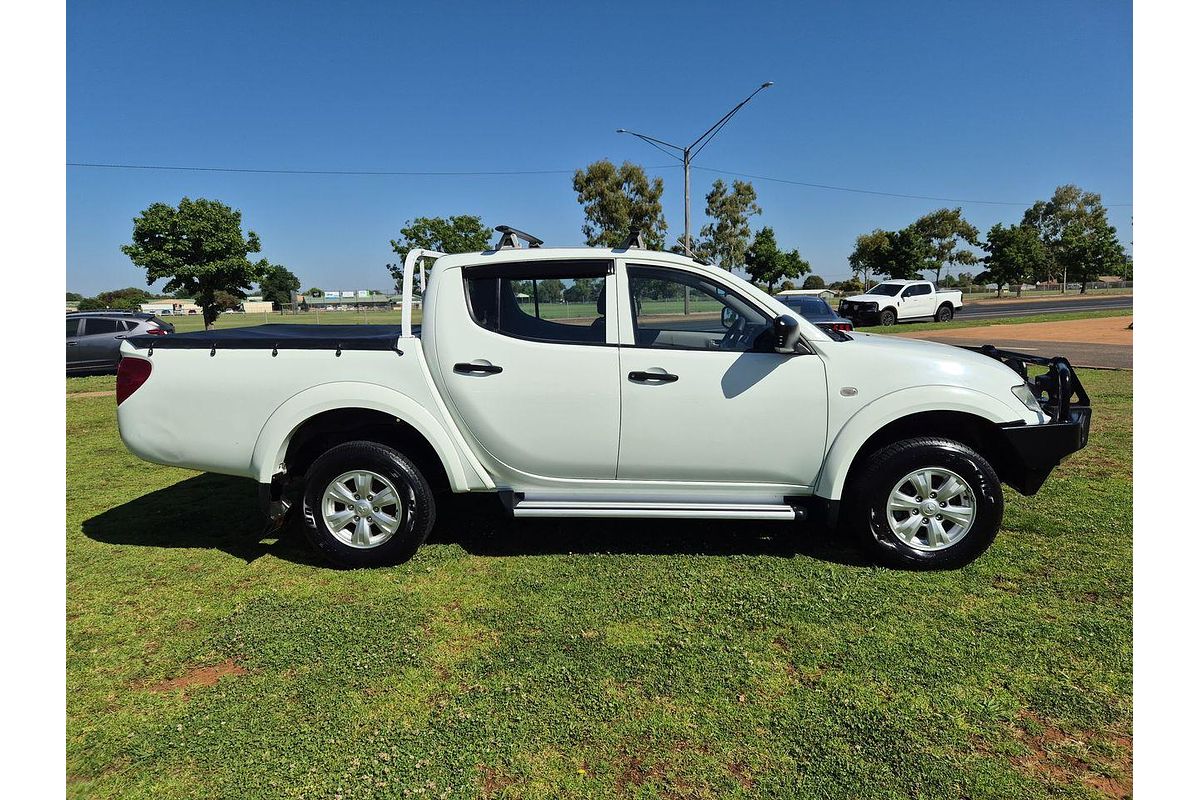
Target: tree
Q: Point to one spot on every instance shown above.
(130, 298)
(814, 282)
(1015, 255)
(226, 301)
(944, 229)
(464, 233)
(74, 297)
(870, 255)
(616, 200)
(767, 264)
(314, 292)
(1073, 226)
(549, 290)
(199, 248)
(279, 286)
(909, 253)
(726, 239)
(583, 290)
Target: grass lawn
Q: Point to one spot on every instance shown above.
(590, 658)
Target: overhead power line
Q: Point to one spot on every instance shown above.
(515, 172)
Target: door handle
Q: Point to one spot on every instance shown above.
(463, 368)
(653, 377)
(72, 344)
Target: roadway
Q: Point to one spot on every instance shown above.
(1020, 308)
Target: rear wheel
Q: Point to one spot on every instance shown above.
(366, 505)
(926, 503)
(945, 313)
(887, 317)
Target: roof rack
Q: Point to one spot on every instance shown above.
(633, 239)
(509, 238)
(111, 311)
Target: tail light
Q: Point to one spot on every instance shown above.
(131, 374)
(156, 331)
(839, 326)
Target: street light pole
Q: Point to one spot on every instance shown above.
(686, 157)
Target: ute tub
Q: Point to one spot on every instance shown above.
(279, 337)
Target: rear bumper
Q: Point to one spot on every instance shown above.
(1035, 450)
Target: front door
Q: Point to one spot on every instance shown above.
(703, 397)
(917, 301)
(528, 356)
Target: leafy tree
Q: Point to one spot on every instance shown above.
(618, 199)
(945, 229)
(199, 248)
(226, 301)
(279, 286)
(583, 290)
(464, 233)
(74, 297)
(814, 282)
(767, 264)
(314, 292)
(851, 286)
(726, 239)
(1015, 255)
(549, 290)
(870, 256)
(1073, 226)
(908, 254)
(787, 286)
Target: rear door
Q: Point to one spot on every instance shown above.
(527, 353)
(702, 398)
(917, 301)
(100, 343)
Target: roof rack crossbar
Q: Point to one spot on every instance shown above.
(510, 238)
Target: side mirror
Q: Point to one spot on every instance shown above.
(786, 333)
(728, 317)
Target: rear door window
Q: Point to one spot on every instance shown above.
(551, 301)
(99, 326)
(72, 326)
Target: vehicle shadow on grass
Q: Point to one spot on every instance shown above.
(212, 512)
(218, 512)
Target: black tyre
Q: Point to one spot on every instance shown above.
(945, 313)
(887, 317)
(928, 503)
(366, 505)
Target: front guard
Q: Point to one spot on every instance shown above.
(1035, 450)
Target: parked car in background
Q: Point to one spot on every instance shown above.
(94, 337)
(899, 301)
(633, 410)
(816, 310)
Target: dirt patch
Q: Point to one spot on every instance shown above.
(76, 395)
(493, 781)
(200, 676)
(1104, 330)
(1054, 756)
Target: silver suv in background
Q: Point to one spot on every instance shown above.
(94, 337)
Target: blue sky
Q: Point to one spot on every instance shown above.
(967, 100)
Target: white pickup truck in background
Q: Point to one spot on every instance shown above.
(618, 404)
(901, 301)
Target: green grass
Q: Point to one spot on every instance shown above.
(913, 327)
(590, 658)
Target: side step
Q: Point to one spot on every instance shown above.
(625, 509)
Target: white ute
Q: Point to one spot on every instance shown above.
(570, 382)
(900, 301)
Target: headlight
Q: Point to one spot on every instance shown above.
(1023, 393)
(871, 306)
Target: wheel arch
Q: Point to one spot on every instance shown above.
(956, 413)
(327, 414)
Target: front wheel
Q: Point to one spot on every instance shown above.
(887, 317)
(928, 503)
(366, 505)
(945, 313)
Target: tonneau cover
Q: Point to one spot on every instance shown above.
(278, 337)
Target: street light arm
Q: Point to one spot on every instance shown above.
(708, 135)
(650, 139)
